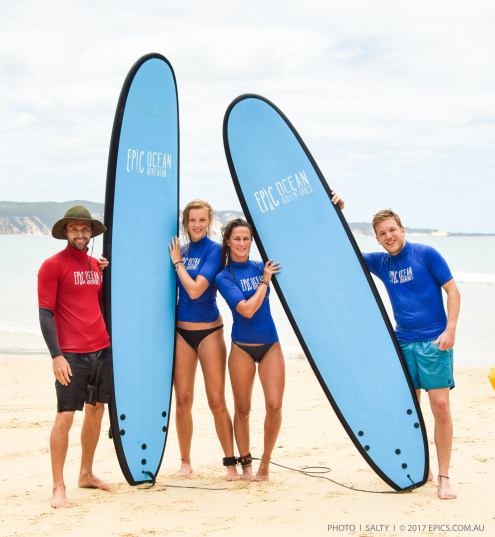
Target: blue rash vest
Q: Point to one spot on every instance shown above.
(260, 328)
(414, 279)
(201, 258)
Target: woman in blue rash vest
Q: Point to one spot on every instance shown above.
(199, 334)
(245, 286)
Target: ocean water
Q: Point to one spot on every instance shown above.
(471, 259)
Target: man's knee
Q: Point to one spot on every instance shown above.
(440, 407)
(64, 420)
(95, 411)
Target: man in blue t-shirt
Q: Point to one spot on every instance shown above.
(414, 275)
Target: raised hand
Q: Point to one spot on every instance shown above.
(336, 200)
(270, 269)
(175, 253)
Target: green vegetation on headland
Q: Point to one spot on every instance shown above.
(37, 218)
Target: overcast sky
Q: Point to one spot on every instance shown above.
(395, 99)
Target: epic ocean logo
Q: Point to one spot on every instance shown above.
(89, 277)
(286, 191)
(149, 162)
(401, 276)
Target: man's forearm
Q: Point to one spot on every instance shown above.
(49, 331)
(453, 306)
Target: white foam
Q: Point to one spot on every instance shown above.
(28, 327)
(473, 277)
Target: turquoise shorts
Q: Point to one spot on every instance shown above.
(429, 367)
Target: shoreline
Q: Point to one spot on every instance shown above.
(290, 504)
(292, 355)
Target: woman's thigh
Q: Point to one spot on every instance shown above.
(242, 370)
(212, 354)
(272, 376)
(186, 363)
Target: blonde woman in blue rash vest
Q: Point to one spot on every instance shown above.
(199, 334)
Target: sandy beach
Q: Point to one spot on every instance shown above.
(290, 504)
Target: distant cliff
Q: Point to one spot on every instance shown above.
(37, 218)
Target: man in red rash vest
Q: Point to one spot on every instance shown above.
(69, 298)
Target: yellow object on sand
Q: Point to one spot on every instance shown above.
(491, 377)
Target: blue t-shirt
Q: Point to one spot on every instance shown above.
(413, 279)
(260, 328)
(201, 258)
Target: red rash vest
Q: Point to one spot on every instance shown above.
(68, 287)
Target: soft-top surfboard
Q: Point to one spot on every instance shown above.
(491, 377)
(326, 290)
(139, 288)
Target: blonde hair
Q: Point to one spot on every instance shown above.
(380, 216)
(196, 204)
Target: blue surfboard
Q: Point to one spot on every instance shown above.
(139, 289)
(326, 290)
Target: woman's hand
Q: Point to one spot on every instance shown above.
(271, 269)
(336, 200)
(247, 308)
(175, 253)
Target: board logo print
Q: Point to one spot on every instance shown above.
(149, 162)
(284, 191)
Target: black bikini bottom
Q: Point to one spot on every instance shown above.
(195, 337)
(257, 352)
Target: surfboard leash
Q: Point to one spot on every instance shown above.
(153, 482)
(310, 471)
(167, 485)
(307, 470)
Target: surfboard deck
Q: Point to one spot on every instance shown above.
(326, 290)
(491, 377)
(139, 286)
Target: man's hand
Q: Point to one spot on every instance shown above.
(61, 370)
(446, 340)
(103, 263)
(336, 200)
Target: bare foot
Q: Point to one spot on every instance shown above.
(185, 468)
(445, 491)
(263, 471)
(430, 475)
(247, 473)
(232, 474)
(90, 481)
(59, 498)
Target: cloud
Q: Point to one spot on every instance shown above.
(391, 98)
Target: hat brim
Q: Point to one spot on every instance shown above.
(58, 227)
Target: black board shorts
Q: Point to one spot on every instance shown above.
(90, 383)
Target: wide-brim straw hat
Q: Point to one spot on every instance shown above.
(78, 212)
